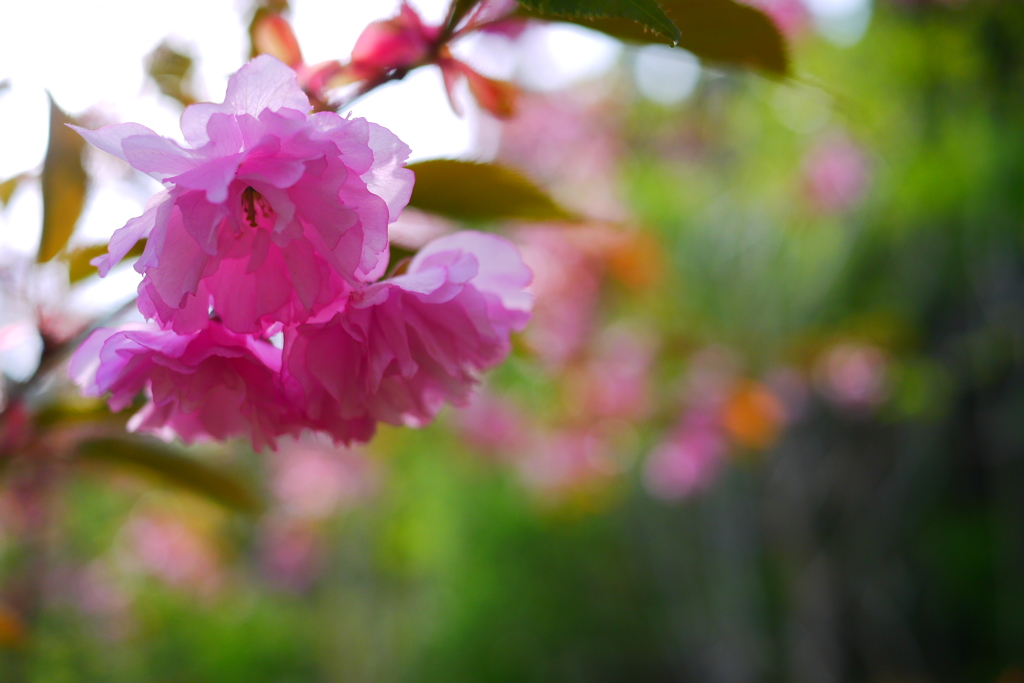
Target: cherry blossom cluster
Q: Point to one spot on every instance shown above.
(262, 279)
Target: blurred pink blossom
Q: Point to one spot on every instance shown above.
(836, 174)
(854, 375)
(570, 144)
(689, 460)
(311, 477)
(566, 284)
(790, 16)
(293, 551)
(492, 424)
(176, 553)
(616, 381)
(565, 460)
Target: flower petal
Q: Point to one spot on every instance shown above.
(265, 83)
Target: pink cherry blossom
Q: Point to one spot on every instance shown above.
(405, 346)
(212, 384)
(689, 460)
(270, 213)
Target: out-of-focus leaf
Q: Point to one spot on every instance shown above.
(465, 190)
(64, 182)
(175, 467)
(8, 187)
(716, 30)
(459, 9)
(79, 266)
(77, 413)
(170, 70)
(644, 15)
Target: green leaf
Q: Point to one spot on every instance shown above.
(470, 191)
(172, 466)
(76, 413)
(457, 10)
(64, 182)
(721, 31)
(644, 15)
(8, 187)
(79, 266)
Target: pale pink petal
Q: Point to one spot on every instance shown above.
(157, 156)
(213, 177)
(110, 138)
(388, 179)
(265, 83)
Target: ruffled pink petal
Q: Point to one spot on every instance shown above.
(181, 263)
(208, 385)
(501, 269)
(404, 347)
(213, 177)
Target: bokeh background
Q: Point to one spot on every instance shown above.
(766, 425)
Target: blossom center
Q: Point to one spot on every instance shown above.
(256, 209)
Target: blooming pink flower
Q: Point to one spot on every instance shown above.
(269, 216)
(406, 345)
(212, 384)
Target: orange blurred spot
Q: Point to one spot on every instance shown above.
(12, 630)
(753, 415)
(637, 260)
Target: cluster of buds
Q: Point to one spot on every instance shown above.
(390, 48)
